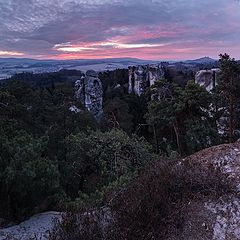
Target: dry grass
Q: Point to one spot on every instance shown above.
(151, 207)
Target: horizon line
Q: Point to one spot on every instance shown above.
(107, 58)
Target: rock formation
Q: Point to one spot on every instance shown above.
(142, 77)
(89, 91)
(207, 208)
(215, 217)
(207, 78)
(37, 227)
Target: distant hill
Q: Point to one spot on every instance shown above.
(125, 61)
(75, 61)
(12, 66)
(202, 60)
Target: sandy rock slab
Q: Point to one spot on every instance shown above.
(36, 228)
(214, 217)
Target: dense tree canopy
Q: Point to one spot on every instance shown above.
(51, 155)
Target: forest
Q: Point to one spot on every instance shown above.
(52, 158)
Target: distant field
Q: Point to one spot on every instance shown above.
(4, 76)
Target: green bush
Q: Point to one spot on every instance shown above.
(27, 177)
(96, 159)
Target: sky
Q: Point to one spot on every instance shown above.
(94, 29)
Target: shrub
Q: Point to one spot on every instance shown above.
(96, 159)
(153, 205)
(27, 177)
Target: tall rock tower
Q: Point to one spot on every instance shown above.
(142, 77)
(89, 91)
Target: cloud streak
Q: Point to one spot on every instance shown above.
(154, 29)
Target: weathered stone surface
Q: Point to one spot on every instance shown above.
(89, 91)
(214, 217)
(74, 109)
(37, 227)
(207, 78)
(142, 77)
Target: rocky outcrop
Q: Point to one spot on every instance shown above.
(202, 204)
(210, 216)
(215, 217)
(207, 78)
(89, 91)
(142, 77)
(37, 227)
(198, 200)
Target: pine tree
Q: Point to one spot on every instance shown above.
(229, 86)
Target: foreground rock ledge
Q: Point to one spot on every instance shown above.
(37, 227)
(208, 218)
(215, 218)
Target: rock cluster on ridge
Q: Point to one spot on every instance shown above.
(142, 77)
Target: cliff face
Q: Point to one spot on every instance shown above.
(89, 91)
(207, 78)
(142, 77)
